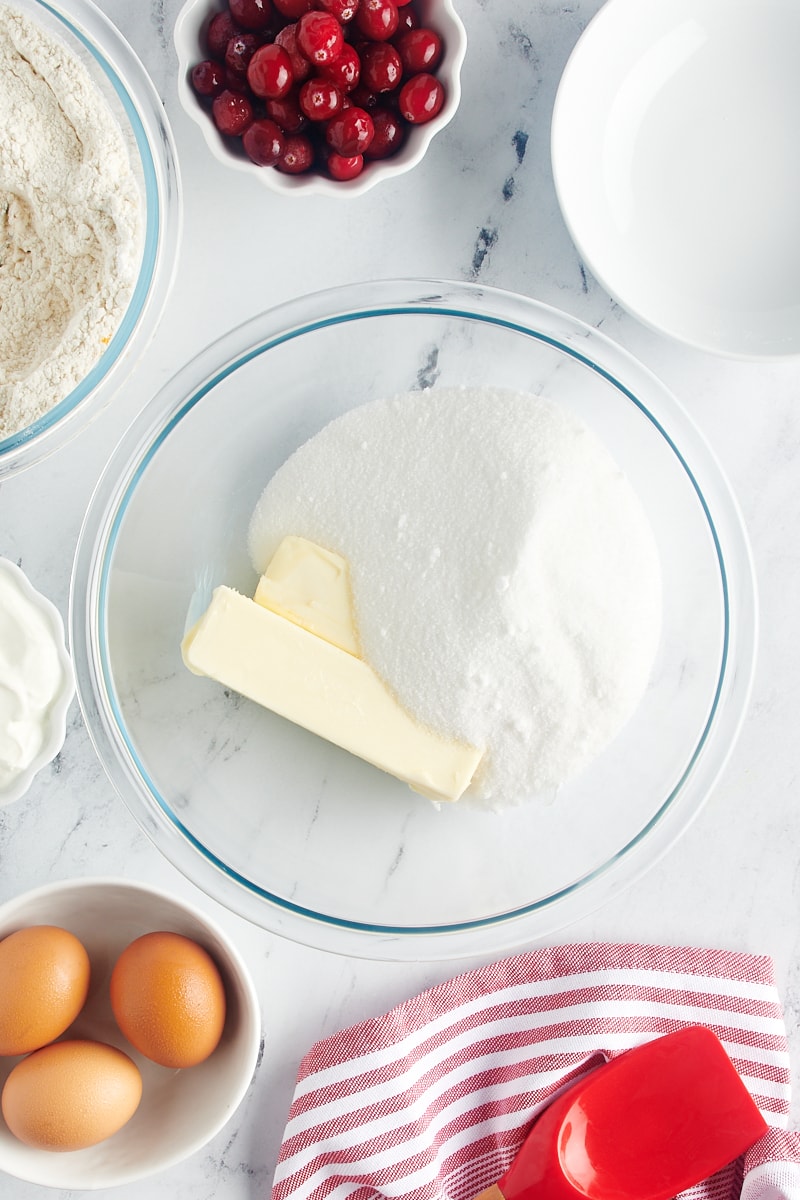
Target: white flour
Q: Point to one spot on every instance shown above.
(70, 222)
(505, 577)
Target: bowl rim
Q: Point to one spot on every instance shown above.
(572, 85)
(186, 37)
(251, 1032)
(83, 22)
(56, 728)
(89, 586)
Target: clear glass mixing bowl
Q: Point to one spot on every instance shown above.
(119, 75)
(284, 828)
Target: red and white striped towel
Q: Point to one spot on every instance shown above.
(432, 1100)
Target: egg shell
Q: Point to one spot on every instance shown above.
(44, 982)
(168, 999)
(71, 1095)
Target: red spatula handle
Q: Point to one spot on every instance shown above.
(490, 1193)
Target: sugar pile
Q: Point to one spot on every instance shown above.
(505, 577)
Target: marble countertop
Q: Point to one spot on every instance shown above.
(480, 207)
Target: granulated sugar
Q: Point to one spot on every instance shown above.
(70, 222)
(505, 578)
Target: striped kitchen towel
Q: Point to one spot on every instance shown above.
(432, 1100)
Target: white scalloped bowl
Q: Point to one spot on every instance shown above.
(440, 15)
(118, 74)
(55, 730)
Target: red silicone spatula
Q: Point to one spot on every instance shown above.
(643, 1126)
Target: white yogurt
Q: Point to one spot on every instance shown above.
(35, 680)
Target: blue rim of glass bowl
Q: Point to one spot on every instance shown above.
(146, 271)
(289, 906)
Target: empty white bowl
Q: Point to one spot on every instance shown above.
(180, 1110)
(49, 722)
(440, 15)
(676, 162)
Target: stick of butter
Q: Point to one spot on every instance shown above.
(310, 585)
(314, 676)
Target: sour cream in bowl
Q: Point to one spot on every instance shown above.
(36, 682)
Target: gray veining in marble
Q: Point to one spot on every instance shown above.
(481, 206)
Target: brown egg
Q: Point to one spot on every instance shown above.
(44, 981)
(71, 1095)
(169, 999)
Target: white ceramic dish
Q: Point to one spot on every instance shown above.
(677, 166)
(55, 726)
(286, 829)
(119, 75)
(180, 1110)
(189, 42)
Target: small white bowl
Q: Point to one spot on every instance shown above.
(674, 148)
(180, 1111)
(55, 722)
(440, 15)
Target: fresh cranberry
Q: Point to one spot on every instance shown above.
(419, 49)
(221, 28)
(343, 10)
(345, 70)
(287, 37)
(263, 142)
(269, 72)
(320, 99)
(239, 51)
(298, 155)
(208, 78)
(232, 112)
(350, 132)
(319, 37)
(421, 98)
(388, 135)
(286, 113)
(363, 97)
(408, 19)
(377, 20)
(292, 9)
(343, 167)
(381, 67)
(235, 81)
(256, 15)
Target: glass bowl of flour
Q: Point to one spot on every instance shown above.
(545, 566)
(91, 220)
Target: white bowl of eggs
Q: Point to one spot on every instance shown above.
(104, 1077)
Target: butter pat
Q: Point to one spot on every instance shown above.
(310, 585)
(324, 688)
